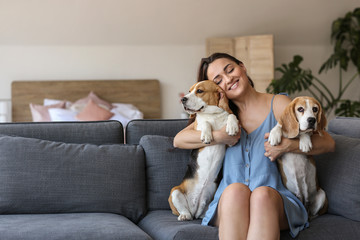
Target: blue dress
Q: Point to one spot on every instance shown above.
(245, 163)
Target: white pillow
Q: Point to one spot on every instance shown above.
(59, 114)
(48, 101)
(129, 111)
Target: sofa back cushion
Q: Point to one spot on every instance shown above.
(346, 126)
(141, 127)
(101, 132)
(40, 176)
(165, 168)
(339, 176)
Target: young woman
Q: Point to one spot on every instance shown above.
(251, 201)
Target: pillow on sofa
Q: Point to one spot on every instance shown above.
(39, 176)
(165, 168)
(339, 176)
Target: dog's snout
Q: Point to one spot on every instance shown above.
(311, 121)
(184, 100)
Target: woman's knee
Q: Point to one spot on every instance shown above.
(235, 193)
(265, 197)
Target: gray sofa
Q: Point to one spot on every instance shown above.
(81, 181)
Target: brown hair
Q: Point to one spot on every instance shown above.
(202, 73)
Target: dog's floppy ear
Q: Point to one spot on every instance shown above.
(223, 101)
(289, 122)
(321, 121)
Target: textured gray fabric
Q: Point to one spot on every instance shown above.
(347, 126)
(77, 226)
(328, 227)
(165, 168)
(140, 127)
(163, 225)
(102, 132)
(339, 176)
(39, 176)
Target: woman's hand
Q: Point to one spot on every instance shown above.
(274, 152)
(221, 136)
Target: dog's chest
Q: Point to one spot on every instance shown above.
(217, 121)
(296, 168)
(209, 162)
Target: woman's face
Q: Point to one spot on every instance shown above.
(230, 76)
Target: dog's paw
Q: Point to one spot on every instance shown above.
(185, 217)
(232, 125)
(206, 137)
(305, 144)
(275, 135)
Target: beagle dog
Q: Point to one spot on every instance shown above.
(300, 119)
(208, 102)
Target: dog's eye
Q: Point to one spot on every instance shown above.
(315, 109)
(300, 109)
(199, 91)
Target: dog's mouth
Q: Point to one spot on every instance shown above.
(191, 111)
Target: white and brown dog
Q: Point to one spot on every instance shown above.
(207, 100)
(300, 119)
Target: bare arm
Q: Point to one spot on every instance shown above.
(321, 144)
(189, 138)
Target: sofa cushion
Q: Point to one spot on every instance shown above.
(39, 176)
(69, 226)
(339, 176)
(165, 127)
(328, 227)
(102, 132)
(165, 168)
(163, 225)
(347, 126)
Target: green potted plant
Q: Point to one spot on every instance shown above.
(345, 34)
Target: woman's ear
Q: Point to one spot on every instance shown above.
(289, 122)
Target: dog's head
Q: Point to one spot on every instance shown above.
(303, 114)
(205, 97)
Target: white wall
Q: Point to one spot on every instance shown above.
(142, 39)
(174, 65)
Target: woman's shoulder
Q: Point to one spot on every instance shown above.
(279, 104)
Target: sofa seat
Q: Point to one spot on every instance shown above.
(104, 226)
(327, 227)
(163, 225)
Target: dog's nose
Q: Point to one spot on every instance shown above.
(184, 100)
(311, 121)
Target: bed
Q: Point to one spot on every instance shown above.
(143, 94)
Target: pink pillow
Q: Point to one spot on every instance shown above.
(93, 112)
(40, 113)
(80, 104)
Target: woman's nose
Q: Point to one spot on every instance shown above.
(228, 79)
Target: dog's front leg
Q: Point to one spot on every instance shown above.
(206, 134)
(232, 125)
(305, 143)
(275, 135)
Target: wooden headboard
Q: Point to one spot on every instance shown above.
(144, 94)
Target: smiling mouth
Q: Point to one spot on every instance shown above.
(235, 85)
